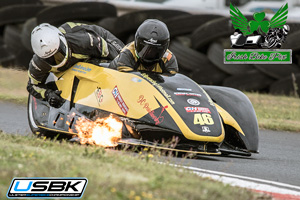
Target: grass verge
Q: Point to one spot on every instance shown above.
(111, 174)
(13, 85)
(273, 112)
(276, 112)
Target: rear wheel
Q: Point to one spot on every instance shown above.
(272, 43)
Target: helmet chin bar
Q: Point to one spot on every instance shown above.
(148, 64)
(59, 58)
(62, 63)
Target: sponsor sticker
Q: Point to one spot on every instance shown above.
(81, 69)
(184, 89)
(205, 129)
(136, 80)
(187, 94)
(99, 95)
(143, 102)
(193, 102)
(197, 109)
(150, 41)
(159, 87)
(203, 119)
(45, 188)
(116, 94)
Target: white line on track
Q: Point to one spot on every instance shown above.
(276, 189)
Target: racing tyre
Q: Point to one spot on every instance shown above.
(296, 58)
(215, 54)
(252, 80)
(130, 38)
(12, 39)
(187, 58)
(294, 27)
(278, 71)
(32, 124)
(289, 85)
(6, 58)
(210, 31)
(209, 76)
(186, 24)
(292, 41)
(129, 22)
(108, 23)
(81, 11)
(200, 68)
(28, 26)
(4, 3)
(18, 13)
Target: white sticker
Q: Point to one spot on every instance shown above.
(137, 80)
(184, 89)
(205, 129)
(193, 102)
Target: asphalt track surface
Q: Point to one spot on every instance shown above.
(278, 160)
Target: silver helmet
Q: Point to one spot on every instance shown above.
(49, 44)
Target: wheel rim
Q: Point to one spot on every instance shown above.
(32, 122)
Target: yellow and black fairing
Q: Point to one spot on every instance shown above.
(238, 117)
(154, 106)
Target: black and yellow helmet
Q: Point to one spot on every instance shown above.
(152, 39)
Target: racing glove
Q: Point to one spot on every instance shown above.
(54, 98)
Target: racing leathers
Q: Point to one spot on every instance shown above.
(128, 60)
(85, 42)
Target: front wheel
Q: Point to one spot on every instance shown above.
(271, 42)
(32, 124)
(31, 104)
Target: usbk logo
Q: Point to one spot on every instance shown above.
(61, 188)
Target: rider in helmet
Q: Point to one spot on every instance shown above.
(57, 49)
(149, 51)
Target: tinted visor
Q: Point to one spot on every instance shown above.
(59, 56)
(150, 52)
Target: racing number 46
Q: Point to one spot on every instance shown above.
(203, 119)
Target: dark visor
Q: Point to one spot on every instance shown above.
(150, 53)
(59, 56)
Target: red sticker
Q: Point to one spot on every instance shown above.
(197, 109)
(187, 94)
(158, 120)
(116, 94)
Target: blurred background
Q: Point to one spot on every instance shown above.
(199, 29)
